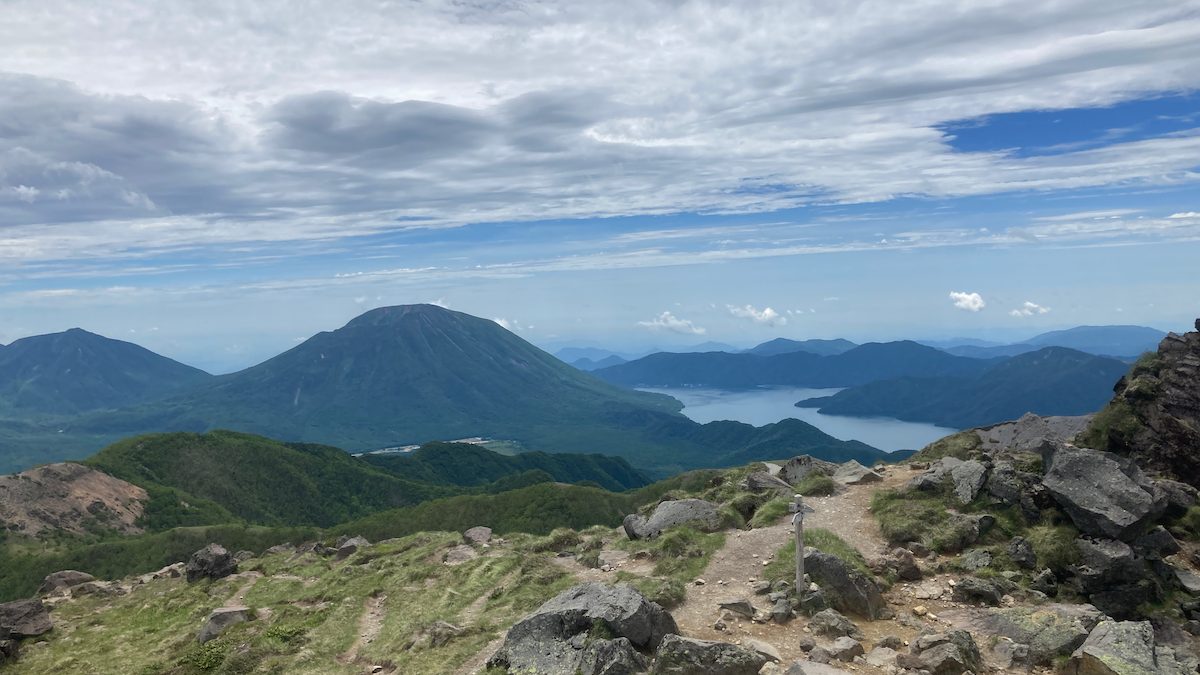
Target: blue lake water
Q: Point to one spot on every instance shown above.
(765, 405)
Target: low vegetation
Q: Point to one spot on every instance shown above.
(783, 565)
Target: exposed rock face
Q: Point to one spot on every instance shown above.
(1122, 648)
(686, 656)
(1021, 489)
(1049, 631)
(612, 657)
(698, 513)
(847, 589)
(1030, 432)
(1114, 578)
(220, 620)
(351, 546)
(853, 473)
(1105, 495)
(61, 581)
(965, 477)
(762, 481)
(210, 562)
(552, 639)
(66, 497)
(1155, 415)
(24, 618)
(798, 468)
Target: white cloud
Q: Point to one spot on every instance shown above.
(972, 302)
(765, 316)
(440, 302)
(1185, 214)
(1029, 309)
(670, 322)
(511, 325)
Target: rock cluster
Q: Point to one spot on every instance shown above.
(698, 513)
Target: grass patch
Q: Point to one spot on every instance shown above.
(1054, 546)
(1112, 429)
(770, 513)
(1188, 525)
(817, 485)
(963, 445)
(783, 565)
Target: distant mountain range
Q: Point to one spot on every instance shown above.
(1049, 381)
(818, 347)
(393, 376)
(1125, 342)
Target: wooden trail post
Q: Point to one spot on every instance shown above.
(797, 507)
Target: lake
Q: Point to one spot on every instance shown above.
(765, 405)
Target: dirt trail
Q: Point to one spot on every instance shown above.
(238, 599)
(369, 625)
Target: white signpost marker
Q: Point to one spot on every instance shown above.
(797, 507)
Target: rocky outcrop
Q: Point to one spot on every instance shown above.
(687, 656)
(349, 546)
(61, 581)
(25, 618)
(798, 468)
(210, 562)
(1048, 631)
(966, 478)
(220, 620)
(70, 498)
(1030, 432)
(1122, 648)
(973, 590)
(952, 653)
(553, 638)
(1154, 416)
(762, 481)
(846, 589)
(698, 513)
(1105, 495)
(1114, 578)
(478, 535)
(853, 473)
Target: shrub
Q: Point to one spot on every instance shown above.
(817, 485)
(770, 512)
(1054, 546)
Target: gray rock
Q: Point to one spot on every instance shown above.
(1031, 431)
(1188, 580)
(905, 564)
(820, 655)
(1105, 495)
(611, 657)
(781, 611)
(1157, 542)
(686, 656)
(952, 653)
(545, 641)
(1045, 582)
(968, 478)
(974, 590)
(1009, 654)
(846, 589)
(459, 554)
(806, 643)
(975, 560)
(1120, 648)
(798, 468)
(25, 618)
(846, 648)
(767, 650)
(351, 546)
(61, 581)
(814, 668)
(738, 606)
(834, 624)
(279, 548)
(1021, 552)
(761, 587)
(1020, 489)
(220, 620)
(881, 657)
(9, 650)
(1180, 496)
(853, 473)
(891, 642)
(478, 535)
(1113, 578)
(698, 513)
(1049, 631)
(210, 562)
(761, 481)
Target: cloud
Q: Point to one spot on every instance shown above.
(512, 325)
(972, 302)
(1185, 214)
(668, 321)
(1029, 309)
(766, 316)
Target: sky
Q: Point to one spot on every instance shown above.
(218, 181)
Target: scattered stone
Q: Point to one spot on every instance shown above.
(1045, 582)
(544, 640)
(1008, 654)
(781, 611)
(905, 564)
(820, 655)
(846, 589)
(846, 648)
(1188, 580)
(351, 546)
(763, 648)
(920, 610)
(761, 587)
(834, 624)
(1105, 495)
(1021, 552)
(740, 606)
(806, 643)
(678, 655)
(881, 657)
(25, 618)
(460, 554)
(698, 513)
(975, 590)
(280, 548)
(478, 535)
(918, 549)
(61, 581)
(220, 620)
(890, 641)
(210, 562)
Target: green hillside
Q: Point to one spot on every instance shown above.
(1050, 381)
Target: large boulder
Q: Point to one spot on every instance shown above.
(611, 657)
(1114, 578)
(25, 618)
(220, 620)
(61, 581)
(210, 562)
(478, 535)
(1105, 495)
(846, 589)
(350, 546)
(1020, 489)
(762, 481)
(1122, 648)
(1050, 631)
(798, 468)
(853, 473)
(698, 513)
(687, 656)
(973, 590)
(833, 623)
(1030, 432)
(952, 653)
(552, 639)
(967, 479)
